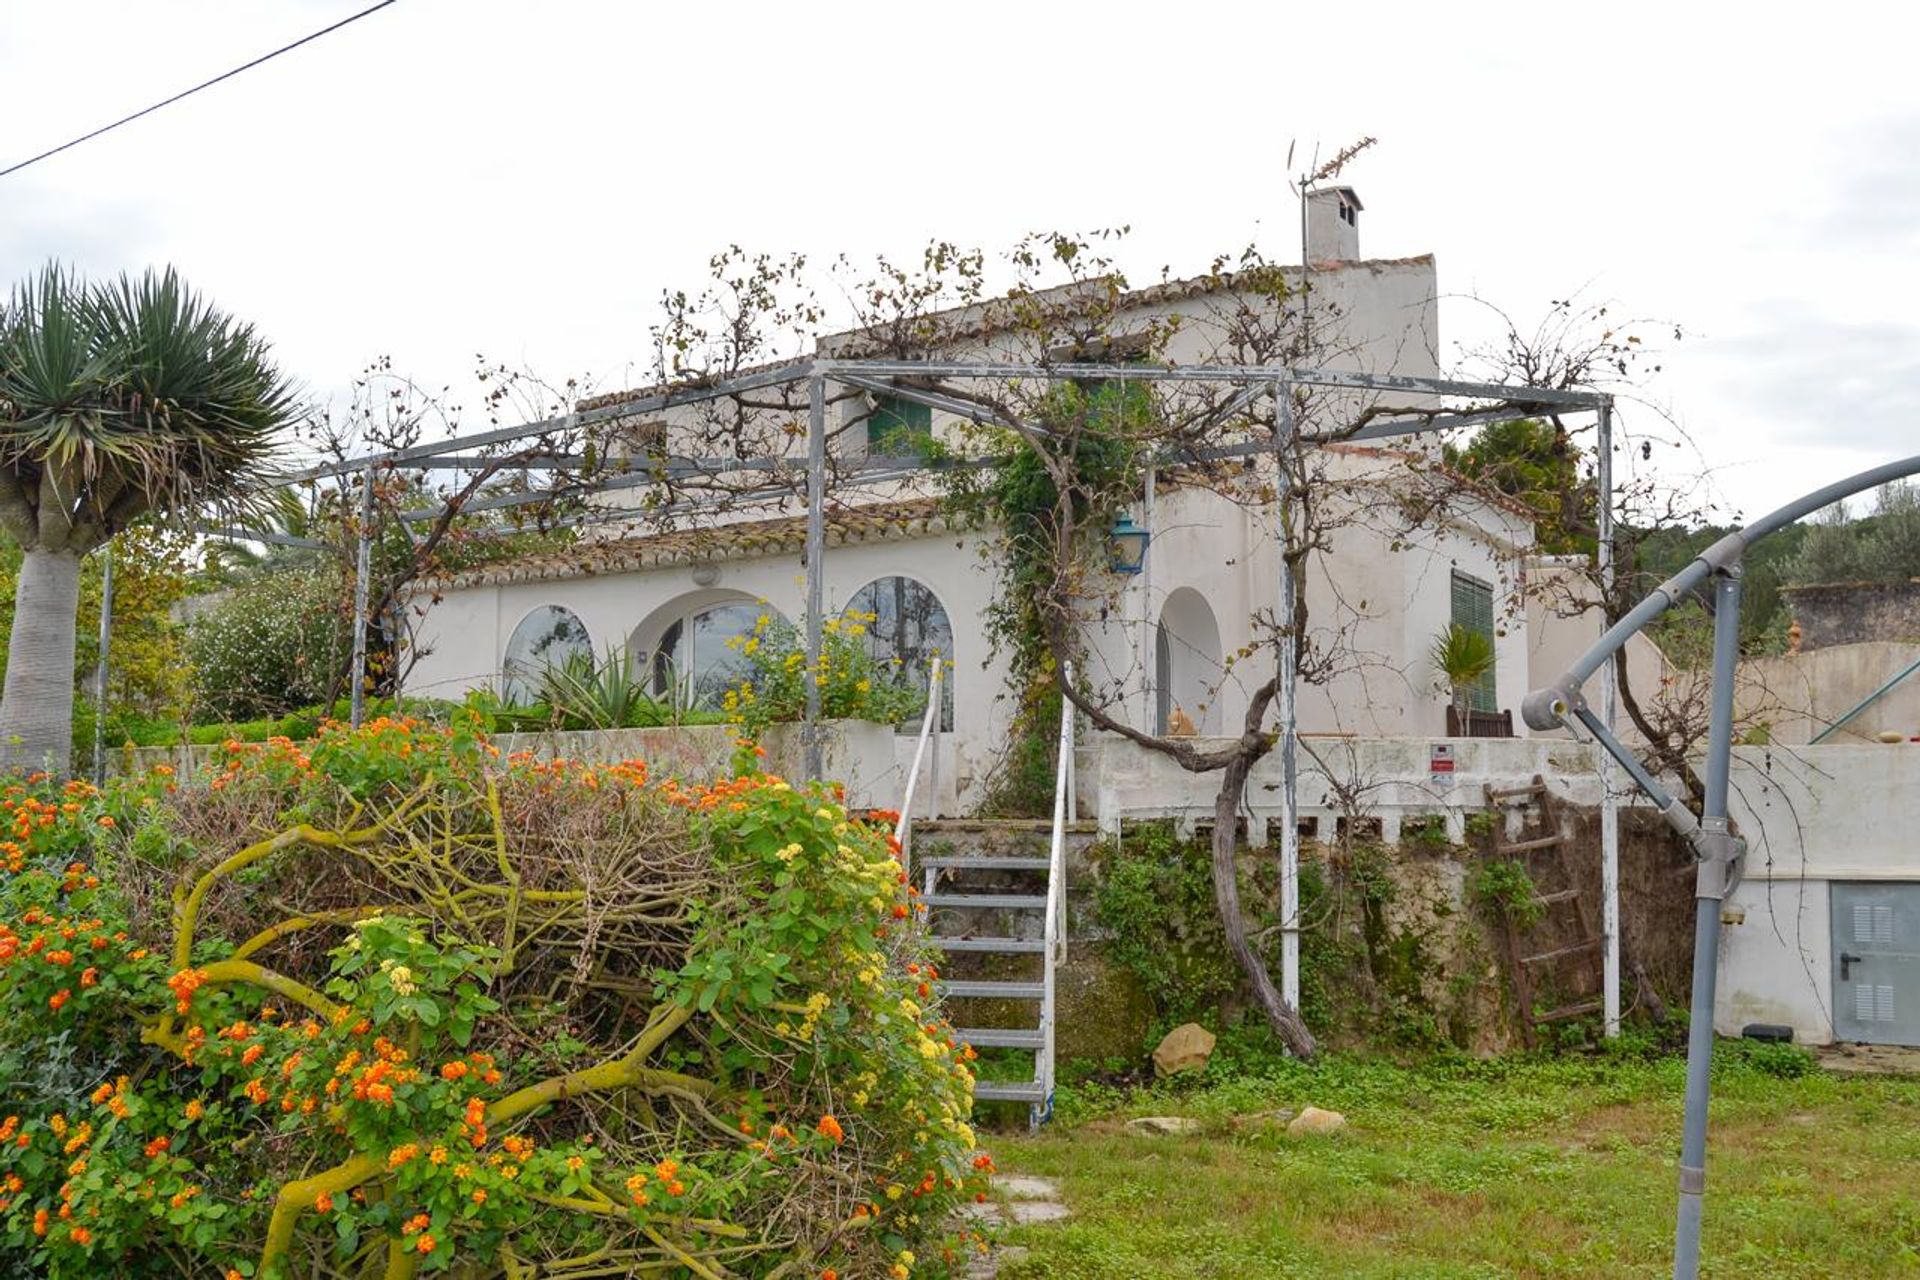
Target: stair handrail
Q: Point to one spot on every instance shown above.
(1055, 944)
(903, 825)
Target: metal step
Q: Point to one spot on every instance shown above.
(971, 990)
(988, 901)
(983, 862)
(1028, 1091)
(1575, 949)
(1001, 1037)
(992, 946)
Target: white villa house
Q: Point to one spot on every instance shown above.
(1161, 643)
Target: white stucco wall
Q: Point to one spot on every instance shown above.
(1812, 816)
(1563, 621)
(463, 636)
(1379, 596)
(1383, 595)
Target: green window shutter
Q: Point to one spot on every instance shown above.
(1473, 609)
(895, 423)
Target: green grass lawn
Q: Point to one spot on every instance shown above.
(1519, 1167)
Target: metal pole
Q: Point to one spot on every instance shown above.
(1710, 889)
(100, 672)
(1283, 438)
(1609, 700)
(363, 574)
(1148, 667)
(816, 553)
(933, 746)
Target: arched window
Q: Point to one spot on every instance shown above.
(907, 631)
(550, 636)
(1187, 663)
(693, 661)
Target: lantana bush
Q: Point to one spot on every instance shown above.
(387, 1004)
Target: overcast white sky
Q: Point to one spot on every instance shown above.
(522, 178)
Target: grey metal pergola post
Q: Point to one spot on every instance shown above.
(816, 553)
(362, 588)
(1718, 851)
(1287, 678)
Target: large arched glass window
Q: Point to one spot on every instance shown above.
(907, 632)
(550, 636)
(693, 661)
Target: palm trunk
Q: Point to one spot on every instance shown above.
(36, 711)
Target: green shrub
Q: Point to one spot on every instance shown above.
(1155, 899)
(1502, 886)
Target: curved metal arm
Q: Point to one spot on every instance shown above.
(1561, 701)
(1718, 850)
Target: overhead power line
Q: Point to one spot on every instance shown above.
(188, 93)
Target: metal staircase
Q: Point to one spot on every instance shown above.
(1008, 912)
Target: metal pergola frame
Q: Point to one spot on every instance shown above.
(896, 378)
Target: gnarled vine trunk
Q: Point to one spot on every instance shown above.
(1281, 1016)
(36, 710)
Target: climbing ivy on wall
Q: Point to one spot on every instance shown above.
(1092, 434)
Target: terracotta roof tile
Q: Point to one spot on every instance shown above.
(742, 540)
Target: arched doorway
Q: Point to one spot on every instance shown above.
(685, 651)
(1187, 662)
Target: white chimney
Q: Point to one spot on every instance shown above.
(1333, 225)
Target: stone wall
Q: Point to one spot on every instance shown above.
(1852, 612)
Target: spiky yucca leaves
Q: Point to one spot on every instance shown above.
(117, 399)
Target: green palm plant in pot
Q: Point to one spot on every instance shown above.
(1463, 657)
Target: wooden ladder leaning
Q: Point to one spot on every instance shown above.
(1548, 842)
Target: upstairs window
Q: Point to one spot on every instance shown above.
(896, 423)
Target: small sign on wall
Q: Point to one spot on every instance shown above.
(1440, 764)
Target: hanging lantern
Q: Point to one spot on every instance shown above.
(1127, 546)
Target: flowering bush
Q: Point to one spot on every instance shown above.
(853, 686)
(416, 1007)
(270, 646)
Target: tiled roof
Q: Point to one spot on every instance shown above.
(742, 540)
